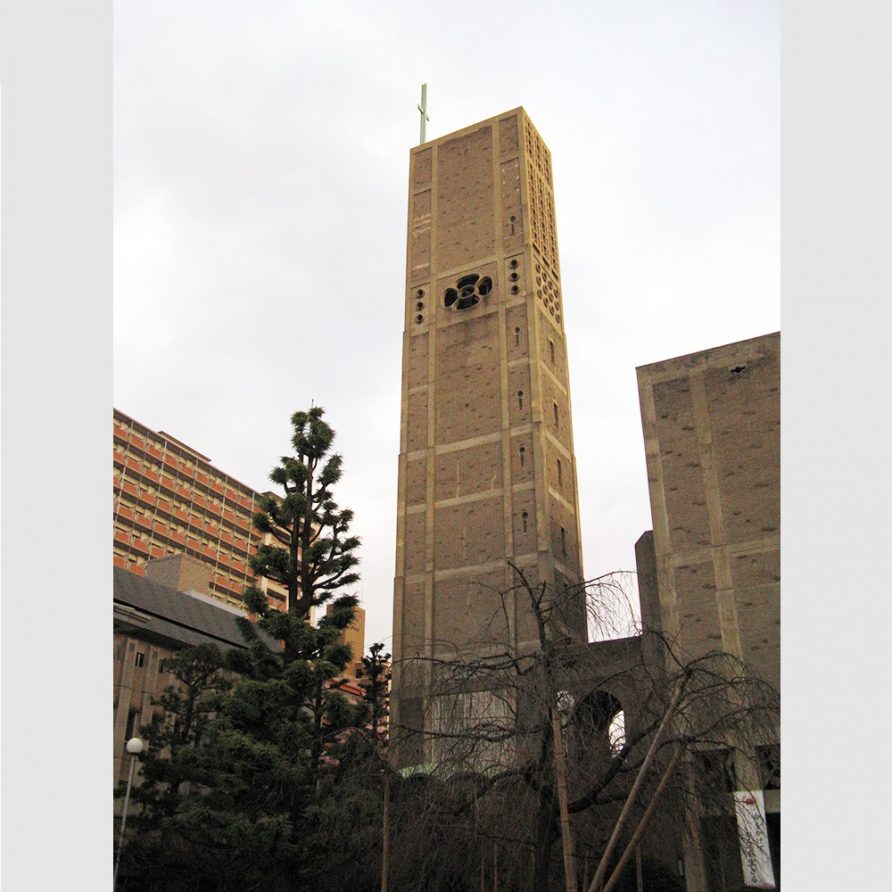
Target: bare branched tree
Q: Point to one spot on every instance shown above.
(505, 727)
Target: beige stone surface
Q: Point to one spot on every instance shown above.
(712, 439)
(486, 412)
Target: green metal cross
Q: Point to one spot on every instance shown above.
(422, 108)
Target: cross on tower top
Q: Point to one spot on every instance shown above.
(422, 108)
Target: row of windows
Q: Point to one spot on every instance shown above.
(197, 519)
(182, 535)
(167, 467)
(169, 491)
(230, 566)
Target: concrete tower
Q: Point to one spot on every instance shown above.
(486, 469)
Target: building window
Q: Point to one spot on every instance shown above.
(769, 766)
(519, 399)
(716, 771)
(555, 406)
(516, 337)
(140, 659)
(551, 350)
(131, 724)
(523, 455)
(524, 518)
(560, 473)
(563, 540)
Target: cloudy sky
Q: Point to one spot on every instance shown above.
(261, 165)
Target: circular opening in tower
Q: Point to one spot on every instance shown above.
(467, 291)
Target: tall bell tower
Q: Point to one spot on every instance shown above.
(487, 471)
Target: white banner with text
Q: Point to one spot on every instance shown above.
(753, 835)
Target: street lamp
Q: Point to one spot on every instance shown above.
(134, 747)
(565, 703)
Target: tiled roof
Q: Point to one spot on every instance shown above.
(164, 611)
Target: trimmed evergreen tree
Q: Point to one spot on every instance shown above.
(247, 793)
(376, 668)
(244, 785)
(314, 555)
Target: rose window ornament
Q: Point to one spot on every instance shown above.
(467, 291)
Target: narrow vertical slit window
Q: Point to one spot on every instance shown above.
(560, 474)
(563, 540)
(517, 337)
(551, 350)
(130, 730)
(524, 518)
(556, 417)
(523, 455)
(519, 399)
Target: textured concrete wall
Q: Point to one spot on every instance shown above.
(180, 572)
(485, 395)
(712, 437)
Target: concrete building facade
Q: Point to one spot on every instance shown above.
(153, 620)
(709, 571)
(711, 423)
(169, 500)
(162, 611)
(487, 470)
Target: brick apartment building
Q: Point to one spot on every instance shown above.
(169, 499)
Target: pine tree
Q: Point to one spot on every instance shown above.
(245, 784)
(376, 668)
(313, 557)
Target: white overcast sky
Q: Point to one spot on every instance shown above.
(261, 166)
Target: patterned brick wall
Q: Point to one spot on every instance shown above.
(484, 369)
(712, 437)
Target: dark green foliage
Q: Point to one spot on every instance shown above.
(376, 669)
(313, 555)
(269, 783)
(262, 774)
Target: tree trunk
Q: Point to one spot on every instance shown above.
(546, 834)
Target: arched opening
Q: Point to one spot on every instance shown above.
(601, 723)
(616, 733)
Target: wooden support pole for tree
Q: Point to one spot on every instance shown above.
(633, 793)
(639, 872)
(635, 841)
(560, 770)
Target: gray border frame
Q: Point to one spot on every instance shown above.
(56, 135)
(835, 607)
(56, 400)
